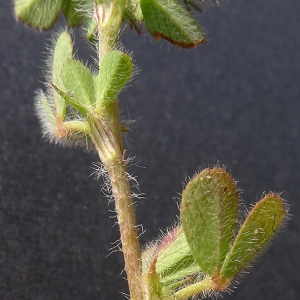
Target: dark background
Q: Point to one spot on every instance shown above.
(234, 101)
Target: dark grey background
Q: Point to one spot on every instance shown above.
(235, 100)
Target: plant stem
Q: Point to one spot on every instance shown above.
(105, 134)
(127, 224)
(109, 15)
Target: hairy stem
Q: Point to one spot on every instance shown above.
(109, 15)
(106, 137)
(127, 224)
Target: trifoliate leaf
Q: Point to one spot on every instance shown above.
(169, 20)
(259, 227)
(208, 214)
(40, 14)
(62, 52)
(79, 82)
(115, 71)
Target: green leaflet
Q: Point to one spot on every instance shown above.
(79, 81)
(42, 14)
(46, 111)
(169, 20)
(51, 109)
(169, 265)
(72, 101)
(201, 255)
(185, 273)
(91, 27)
(115, 71)
(259, 227)
(38, 13)
(133, 13)
(174, 259)
(74, 83)
(208, 213)
(73, 11)
(62, 52)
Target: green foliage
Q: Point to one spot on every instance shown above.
(208, 213)
(72, 84)
(51, 107)
(259, 227)
(203, 253)
(175, 262)
(63, 52)
(79, 82)
(38, 13)
(173, 254)
(133, 13)
(74, 103)
(115, 72)
(42, 14)
(46, 113)
(72, 10)
(166, 19)
(169, 20)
